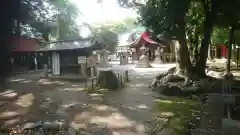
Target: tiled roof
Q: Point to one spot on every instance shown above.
(71, 44)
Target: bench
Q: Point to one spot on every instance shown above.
(92, 79)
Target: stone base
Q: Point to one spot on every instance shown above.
(104, 64)
(107, 79)
(157, 61)
(228, 76)
(143, 63)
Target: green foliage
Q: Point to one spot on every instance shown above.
(119, 26)
(67, 12)
(228, 14)
(38, 18)
(107, 37)
(107, 33)
(220, 36)
(194, 26)
(164, 16)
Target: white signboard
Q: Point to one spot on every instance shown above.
(82, 59)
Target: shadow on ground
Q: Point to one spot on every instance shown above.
(124, 112)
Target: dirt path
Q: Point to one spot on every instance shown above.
(123, 112)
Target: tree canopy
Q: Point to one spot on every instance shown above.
(192, 23)
(38, 18)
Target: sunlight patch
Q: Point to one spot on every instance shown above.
(132, 108)
(12, 121)
(115, 120)
(69, 105)
(124, 133)
(74, 89)
(59, 82)
(26, 81)
(139, 85)
(9, 93)
(25, 100)
(103, 108)
(95, 95)
(166, 114)
(169, 101)
(142, 106)
(44, 81)
(163, 101)
(8, 114)
(17, 80)
(140, 128)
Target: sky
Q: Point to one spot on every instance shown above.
(109, 10)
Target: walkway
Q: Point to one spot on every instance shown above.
(124, 112)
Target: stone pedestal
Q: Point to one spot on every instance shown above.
(143, 62)
(158, 59)
(83, 70)
(45, 70)
(104, 63)
(126, 75)
(93, 71)
(123, 59)
(104, 59)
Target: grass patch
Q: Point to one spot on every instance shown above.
(178, 113)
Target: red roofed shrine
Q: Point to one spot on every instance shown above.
(23, 44)
(23, 50)
(144, 44)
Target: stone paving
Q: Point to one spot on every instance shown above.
(124, 112)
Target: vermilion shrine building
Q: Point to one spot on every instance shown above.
(220, 51)
(23, 50)
(144, 44)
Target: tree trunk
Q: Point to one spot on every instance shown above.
(182, 53)
(196, 43)
(182, 56)
(230, 42)
(208, 27)
(172, 49)
(209, 52)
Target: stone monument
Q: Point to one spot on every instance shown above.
(143, 62)
(104, 59)
(158, 59)
(124, 58)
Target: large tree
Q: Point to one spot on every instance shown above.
(185, 22)
(167, 18)
(108, 38)
(66, 14)
(105, 35)
(38, 18)
(118, 26)
(229, 18)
